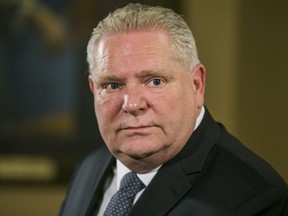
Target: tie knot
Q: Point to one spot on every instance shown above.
(131, 181)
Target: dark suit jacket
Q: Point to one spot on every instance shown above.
(213, 175)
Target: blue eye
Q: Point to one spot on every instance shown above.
(155, 82)
(113, 86)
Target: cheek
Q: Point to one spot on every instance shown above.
(176, 106)
(170, 101)
(106, 110)
(167, 110)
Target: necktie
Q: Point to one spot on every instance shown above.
(122, 201)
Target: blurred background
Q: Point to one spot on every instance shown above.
(47, 122)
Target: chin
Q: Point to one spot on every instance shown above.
(148, 154)
(138, 154)
(140, 163)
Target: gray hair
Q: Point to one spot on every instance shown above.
(137, 17)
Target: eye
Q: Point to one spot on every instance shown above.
(155, 82)
(111, 86)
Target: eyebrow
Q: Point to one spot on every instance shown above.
(156, 72)
(106, 78)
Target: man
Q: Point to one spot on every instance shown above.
(148, 86)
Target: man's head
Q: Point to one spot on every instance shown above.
(147, 82)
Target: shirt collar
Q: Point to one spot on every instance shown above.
(144, 177)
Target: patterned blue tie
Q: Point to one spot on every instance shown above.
(122, 201)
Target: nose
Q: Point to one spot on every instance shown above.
(134, 102)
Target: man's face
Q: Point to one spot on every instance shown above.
(146, 103)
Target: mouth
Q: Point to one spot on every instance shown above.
(135, 127)
(141, 129)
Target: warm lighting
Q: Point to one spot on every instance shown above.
(27, 168)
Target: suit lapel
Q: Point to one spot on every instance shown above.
(164, 191)
(95, 191)
(86, 190)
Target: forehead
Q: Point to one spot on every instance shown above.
(130, 53)
(132, 43)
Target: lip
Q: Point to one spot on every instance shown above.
(136, 129)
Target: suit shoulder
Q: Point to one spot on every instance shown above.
(87, 179)
(246, 159)
(229, 182)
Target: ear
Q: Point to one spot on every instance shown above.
(91, 83)
(198, 78)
